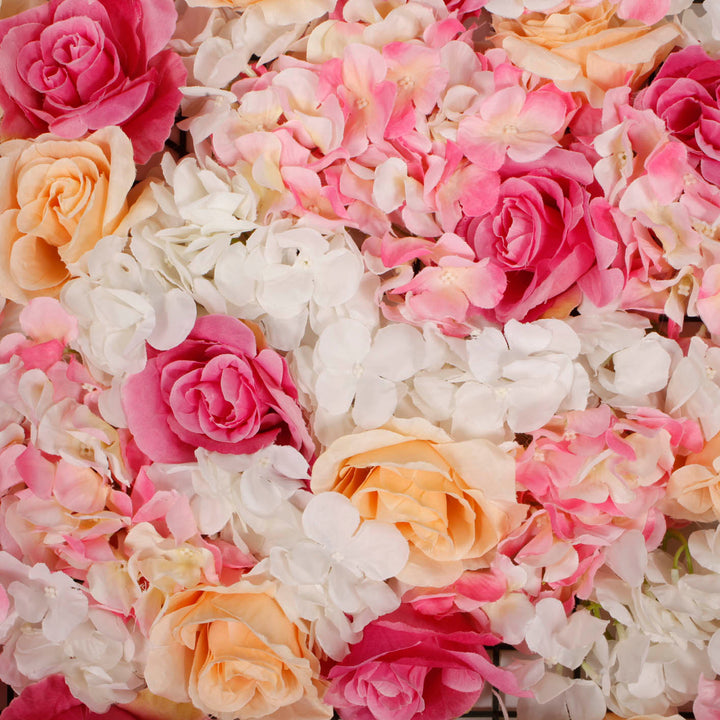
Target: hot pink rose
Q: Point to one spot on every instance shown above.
(72, 66)
(217, 390)
(50, 699)
(686, 95)
(541, 235)
(413, 666)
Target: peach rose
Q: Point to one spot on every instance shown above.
(60, 197)
(452, 501)
(693, 491)
(233, 653)
(586, 49)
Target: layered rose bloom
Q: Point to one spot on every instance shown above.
(234, 653)
(72, 67)
(412, 666)
(586, 49)
(60, 198)
(452, 501)
(686, 95)
(220, 389)
(540, 233)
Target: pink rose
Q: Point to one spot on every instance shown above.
(217, 390)
(72, 66)
(413, 666)
(541, 235)
(50, 699)
(686, 95)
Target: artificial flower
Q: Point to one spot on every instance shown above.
(408, 473)
(432, 667)
(210, 642)
(65, 195)
(219, 389)
(586, 49)
(70, 71)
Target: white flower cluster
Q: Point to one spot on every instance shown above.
(48, 628)
(666, 624)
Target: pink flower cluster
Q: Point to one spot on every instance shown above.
(347, 342)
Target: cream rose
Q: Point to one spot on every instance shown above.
(234, 653)
(452, 501)
(693, 491)
(586, 49)
(59, 199)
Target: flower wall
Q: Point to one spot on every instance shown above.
(344, 341)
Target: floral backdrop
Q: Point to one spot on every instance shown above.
(344, 341)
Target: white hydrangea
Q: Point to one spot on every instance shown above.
(201, 211)
(285, 275)
(693, 390)
(252, 491)
(498, 383)
(562, 641)
(524, 375)
(663, 627)
(119, 306)
(354, 377)
(334, 575)
(100, 660)
(263, 32)
(627, 366)
(49, 628)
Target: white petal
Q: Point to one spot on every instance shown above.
(337, 277)
(378, 550)
(334, 391)
(343, 344)
(174, 319)
(330, 519)
(397, 352)
(375, 401)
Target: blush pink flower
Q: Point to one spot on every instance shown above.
(686, 95)
(71, 67)
(220, 389)
(412, 666)
(541, 234)
(523, 125)
(598, 474)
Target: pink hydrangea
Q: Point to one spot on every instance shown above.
(599, 474)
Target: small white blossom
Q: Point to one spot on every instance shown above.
(120, 306)
(201, 211)
(285, 274)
